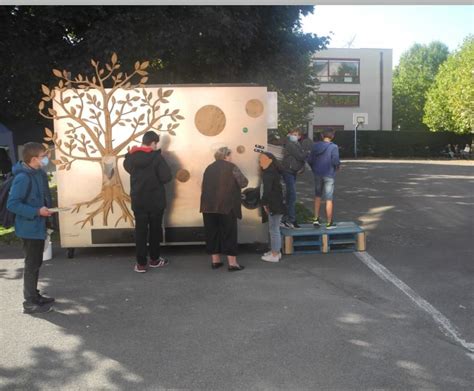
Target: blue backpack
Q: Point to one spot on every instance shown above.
(7, 218)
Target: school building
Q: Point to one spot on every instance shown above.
(353, 83)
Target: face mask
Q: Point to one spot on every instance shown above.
(44, 161)
(293, 138)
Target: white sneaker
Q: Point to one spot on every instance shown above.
(270, 253)
(271, 258)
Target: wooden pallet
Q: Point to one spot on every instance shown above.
(345, 237)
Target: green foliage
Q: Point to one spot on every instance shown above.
(303, 214)
(7, 236)
(199, 44)
(296, 103)
(450, 100)
(411, 80)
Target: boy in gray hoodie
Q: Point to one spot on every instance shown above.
(293, 162)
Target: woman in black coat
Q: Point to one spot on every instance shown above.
(272, 202)
(221, 207)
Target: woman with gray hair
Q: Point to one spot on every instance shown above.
(221, 207)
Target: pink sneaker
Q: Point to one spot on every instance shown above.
(160, 262)
(140, 268)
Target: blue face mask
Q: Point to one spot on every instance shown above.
(293, 138)
(44, 161)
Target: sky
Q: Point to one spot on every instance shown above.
(391, 26)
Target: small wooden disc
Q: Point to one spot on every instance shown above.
(183, 175)
(254, 108)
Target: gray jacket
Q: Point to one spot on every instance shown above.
(293, 157)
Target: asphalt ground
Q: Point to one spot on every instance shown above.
(316, 322)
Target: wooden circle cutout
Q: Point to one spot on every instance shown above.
(183, 175)
(210, 120)
(240, 149)
(254, 108)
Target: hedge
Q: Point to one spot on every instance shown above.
(398, 144)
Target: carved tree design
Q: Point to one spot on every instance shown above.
(96, 115)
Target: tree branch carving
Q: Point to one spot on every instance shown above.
(98, 111)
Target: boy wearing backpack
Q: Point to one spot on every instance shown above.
(29, 200)
(324, 162)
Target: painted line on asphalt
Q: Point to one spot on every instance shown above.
(443, 323)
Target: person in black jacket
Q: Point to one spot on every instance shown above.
(272, 202)
(221, 207)
(148, 173)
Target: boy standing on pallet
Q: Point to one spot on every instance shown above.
(324, 162)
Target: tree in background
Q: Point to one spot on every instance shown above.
(450, 100)
(263, 45)
(412, 78)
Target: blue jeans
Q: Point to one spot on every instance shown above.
(290, 182)
(324, 187)
(275, 234)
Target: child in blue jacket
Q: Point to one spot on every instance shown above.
(29, 200)
(324, 162)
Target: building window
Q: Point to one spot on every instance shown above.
(337, 71)
(338, 99)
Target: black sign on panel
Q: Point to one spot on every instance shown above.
(113, 236)
(184, 234)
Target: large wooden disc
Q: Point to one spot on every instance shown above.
(210, 120)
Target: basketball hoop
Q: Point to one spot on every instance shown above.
(358, 120)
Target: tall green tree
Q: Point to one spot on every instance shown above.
(412, 78)
(263, 45)
(450, 100)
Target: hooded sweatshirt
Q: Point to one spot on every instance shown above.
(28, 194)
(148, 173)
(324, 159)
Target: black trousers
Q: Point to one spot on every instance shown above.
(33, 260)
(148, 231)
(221, 233)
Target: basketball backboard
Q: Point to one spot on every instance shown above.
(360, 118)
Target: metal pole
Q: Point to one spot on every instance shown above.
(355, 140)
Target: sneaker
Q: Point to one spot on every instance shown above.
(140, 268)
(42, 300)
(271, 258)
(270, 253)
(330, 225)
(316, 222)
(296, 225)
(287, 224)
(36, 309)
(160, 262)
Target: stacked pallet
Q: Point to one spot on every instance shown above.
(344, 237)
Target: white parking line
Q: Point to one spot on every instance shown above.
(444, 324)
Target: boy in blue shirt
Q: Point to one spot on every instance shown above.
(324, 162)
(29, 200)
